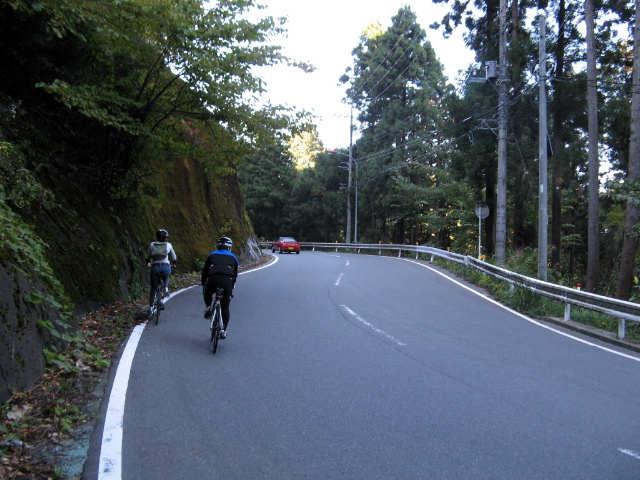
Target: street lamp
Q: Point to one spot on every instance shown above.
(355, 238)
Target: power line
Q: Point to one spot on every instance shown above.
(381, 62)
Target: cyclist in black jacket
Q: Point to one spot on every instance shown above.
(220, 270)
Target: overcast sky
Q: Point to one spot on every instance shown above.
(324, 33)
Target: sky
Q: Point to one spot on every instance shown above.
(324, 33)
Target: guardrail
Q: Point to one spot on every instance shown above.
(622, 310)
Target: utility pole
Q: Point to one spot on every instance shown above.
(501, 194)
(355, 232)
(349, 181)
(543, 219)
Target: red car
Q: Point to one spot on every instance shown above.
(286, 244)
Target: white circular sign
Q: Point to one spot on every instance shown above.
(482, 211)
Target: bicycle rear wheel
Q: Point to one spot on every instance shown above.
(158, 303)
(216, 327)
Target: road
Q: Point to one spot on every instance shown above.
(367, 367)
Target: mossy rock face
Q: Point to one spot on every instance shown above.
(21, 342)
(197, 211)
(95, 250)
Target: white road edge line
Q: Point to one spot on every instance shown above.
(373, 327)
(528, 319)
(110, 464)
(631, 453)
(111, 448)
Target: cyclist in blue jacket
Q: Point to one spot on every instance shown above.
(220, 270)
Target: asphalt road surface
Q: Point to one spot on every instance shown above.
(345, 366)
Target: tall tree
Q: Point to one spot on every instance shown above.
(630, 243)
(398, 86)
(594, 163)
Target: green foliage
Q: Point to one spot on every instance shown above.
(627, 193)
(106, 107)
(19, 186)
(119, 78)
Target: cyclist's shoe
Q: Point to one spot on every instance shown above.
(208, 313)
(223, 335)
(150, 312)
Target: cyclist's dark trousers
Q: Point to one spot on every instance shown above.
(165, 269)
(213, 282)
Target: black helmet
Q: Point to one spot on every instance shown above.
(225, 243)
(162, 235)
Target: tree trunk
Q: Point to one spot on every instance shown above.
(593, 256)
(625, 281)
(558, 146)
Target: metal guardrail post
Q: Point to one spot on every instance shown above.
(567, 312)
(622, 328)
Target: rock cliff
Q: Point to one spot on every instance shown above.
(82, 251)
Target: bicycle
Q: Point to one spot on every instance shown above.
(216, 319)
(157, 305)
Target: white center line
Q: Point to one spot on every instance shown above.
(631, 453)
(339, 278)
(374, 328)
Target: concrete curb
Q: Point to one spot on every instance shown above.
(594, 332)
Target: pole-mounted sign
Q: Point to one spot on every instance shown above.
(482, 212)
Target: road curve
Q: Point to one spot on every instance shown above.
(357, 366)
